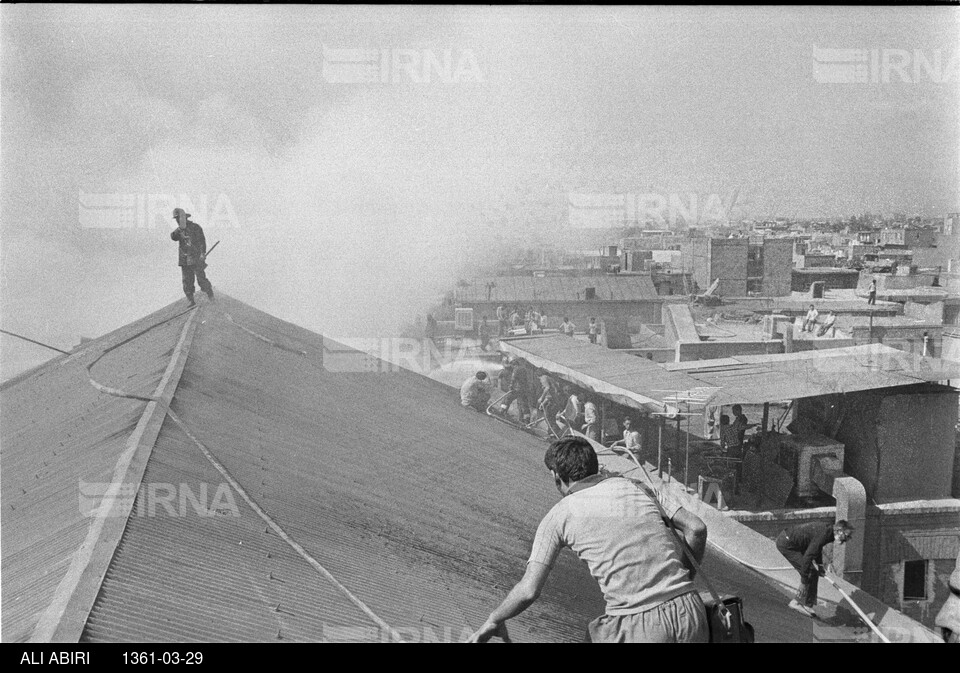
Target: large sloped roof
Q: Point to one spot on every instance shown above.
(281, 496)
(381, 496)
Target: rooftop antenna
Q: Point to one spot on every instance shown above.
(695, 397)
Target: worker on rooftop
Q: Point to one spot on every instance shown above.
(740, 422)
(811, 320)
(571, 416)
(519, 392)
(567, 327)
(828, 325)
(483, 332)
(593, 329)
(475, 392)
(501, 320)
(631, 438)
(192, 254)
(803, 546)
(548, 400)
(617, 528)
(591, 420)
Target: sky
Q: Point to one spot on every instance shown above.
(348, 206)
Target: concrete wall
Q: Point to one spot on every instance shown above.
(678, 324)
(909, 532)
(931, 313)
(710, 350)
(815, 261)
(903, 337)
(834, 279)
(899, 442)
(889, 281)
(696, 252)
(777, 265)
(728, 262)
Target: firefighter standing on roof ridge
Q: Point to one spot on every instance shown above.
(193, 253)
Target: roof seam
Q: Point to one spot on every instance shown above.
(279, 531)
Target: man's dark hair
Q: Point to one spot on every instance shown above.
(736, 409)
(842, 524)
(481, 375)
(572, 458)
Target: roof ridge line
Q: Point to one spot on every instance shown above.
(66, 615)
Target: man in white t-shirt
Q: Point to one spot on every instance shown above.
(617, 529)
(811, 320)
(475, 392)
(567, 327)
(631, 438)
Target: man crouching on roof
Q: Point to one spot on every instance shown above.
(613, 524)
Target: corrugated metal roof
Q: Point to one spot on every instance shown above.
(58, 433)
(754, 379)
(530, 289)
(382, 477)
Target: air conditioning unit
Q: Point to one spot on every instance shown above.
(797, 453)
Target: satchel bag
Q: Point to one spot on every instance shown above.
(724, 614)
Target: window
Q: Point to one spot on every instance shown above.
(915, 580)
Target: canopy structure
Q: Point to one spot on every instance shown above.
(625, 379)
(755, 379)
(743, 379)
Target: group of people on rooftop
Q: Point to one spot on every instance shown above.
(810, 322)
(535, 394)
(512, 318)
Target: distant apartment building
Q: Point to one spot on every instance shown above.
(741, 268)
(911, 237)
(768, 267)
(719, 258)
